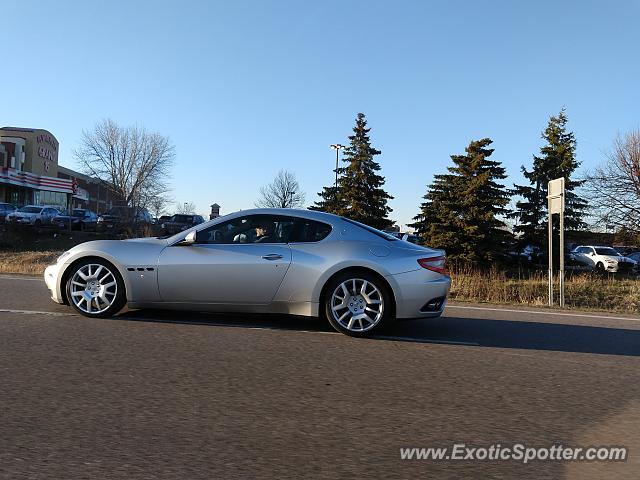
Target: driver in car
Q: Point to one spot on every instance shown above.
(264, 233)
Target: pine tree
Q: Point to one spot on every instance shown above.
(330, 201)
(462, 208)
(360, 194)
(557, 159)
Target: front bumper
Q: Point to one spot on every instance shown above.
(416, 289)
(51, 278)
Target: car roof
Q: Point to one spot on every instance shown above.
(291, 212)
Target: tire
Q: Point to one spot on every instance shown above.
(100, 294)
(37, 223)
(354, 312)
(600, 267)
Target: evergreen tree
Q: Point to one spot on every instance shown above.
(330, 201)
(557, 159)
(360, 194)
(462, 208)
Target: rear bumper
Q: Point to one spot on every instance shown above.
(420, 294)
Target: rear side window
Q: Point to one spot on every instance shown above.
(375, 231)
(306, 230)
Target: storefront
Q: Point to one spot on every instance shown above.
(29, 169)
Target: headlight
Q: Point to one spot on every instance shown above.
(101, 219)
(63, 256)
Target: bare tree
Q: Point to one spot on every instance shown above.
(158, 206)
(614, 187)
(186, 208)
(283, 192)
(134, 163)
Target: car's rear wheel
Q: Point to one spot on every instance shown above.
(357, 304)
(95, 288)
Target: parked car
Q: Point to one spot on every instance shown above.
(6, 209)
(298, 262)
(635, 257)
(119, 218)
(36, 215)
(407, 237)
(80, 219)
(180, 222)
(603, 259)
(626, 250)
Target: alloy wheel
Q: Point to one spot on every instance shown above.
(93, 288)
(357, 305)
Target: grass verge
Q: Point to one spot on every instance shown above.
(30, 263)
(584, 290)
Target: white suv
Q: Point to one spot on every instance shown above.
(34, 215)
(603, 259)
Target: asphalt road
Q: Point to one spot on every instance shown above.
(180, 395)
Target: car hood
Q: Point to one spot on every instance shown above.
(23, 214)
(151, 240)
(619, 259)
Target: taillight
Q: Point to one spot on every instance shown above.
(435, 264)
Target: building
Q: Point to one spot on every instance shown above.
(29, 168)
(215, 211)
(91, 193)
(30, 174)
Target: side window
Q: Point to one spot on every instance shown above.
(309, 231)
(249, 229)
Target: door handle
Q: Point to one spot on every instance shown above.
(272, 256)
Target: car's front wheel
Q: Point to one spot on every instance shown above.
(357, 304)
(95, 288)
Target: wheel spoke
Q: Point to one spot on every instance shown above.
(98, 270)
(350, 324)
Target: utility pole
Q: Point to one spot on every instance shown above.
(337, 147)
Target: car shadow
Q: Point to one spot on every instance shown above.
(468, 332)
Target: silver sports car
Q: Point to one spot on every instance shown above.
(298, 262)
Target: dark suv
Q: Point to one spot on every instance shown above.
(180, 222)
(119, 218)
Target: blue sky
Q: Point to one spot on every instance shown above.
(245, 88)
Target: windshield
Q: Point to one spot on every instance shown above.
(375, 231)
(30, 209)
(607, 251)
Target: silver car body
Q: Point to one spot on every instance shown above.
(260, 277)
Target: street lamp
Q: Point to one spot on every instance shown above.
(337, 147)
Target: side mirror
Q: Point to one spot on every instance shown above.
(191, 238)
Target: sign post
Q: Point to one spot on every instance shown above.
(555, 199)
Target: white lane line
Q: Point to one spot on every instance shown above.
(424, 340)
(536, 312)
(28, 279)
(35, 312)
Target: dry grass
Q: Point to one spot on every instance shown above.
(30, 263)
(586, 290)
